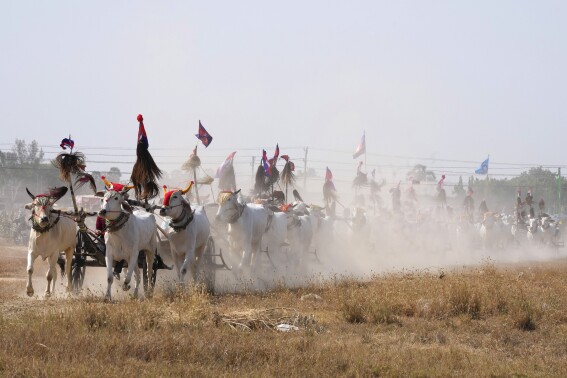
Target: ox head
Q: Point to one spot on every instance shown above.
(115, 202)
(229, 207)
(173, 202)
(42, 204)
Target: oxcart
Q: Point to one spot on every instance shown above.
(90, 252)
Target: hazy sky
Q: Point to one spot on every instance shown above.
(451, 79)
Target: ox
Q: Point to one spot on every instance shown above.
(127, 233)
(299, 230)
(323, 226)
(190, 230)
(247, 224)
(275, 237)
(490, 231)
(548, 230)
(50, 234)
(533, 228)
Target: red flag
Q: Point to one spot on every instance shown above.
(274, 160)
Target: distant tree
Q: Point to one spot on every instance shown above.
(22, 167)
(29, 154)
(459, 189)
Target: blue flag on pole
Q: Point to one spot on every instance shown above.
(483, 169)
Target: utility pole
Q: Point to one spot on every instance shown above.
(558, 207)
(306, 149)
(253, 164)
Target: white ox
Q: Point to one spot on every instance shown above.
(189, 232)
(323, 226)
(128, 232)
(50, 235)
(276, 234)
(549, 231)
(247, 224)
(490, 231)
(299, 230)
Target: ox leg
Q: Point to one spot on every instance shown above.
(29, 287)
(68, 261)
(51, 275)
(197, 260)
(132, 263)
(188, 263)
(137, 280)
(109, 273)
(150, 256)
(255, 252)
(178, 260)
(246, 255)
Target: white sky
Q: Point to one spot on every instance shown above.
(446, 79)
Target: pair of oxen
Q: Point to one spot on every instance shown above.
(128, 232)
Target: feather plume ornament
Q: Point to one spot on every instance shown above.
(145, 173)
(259, 181)
(297, 196)
(287, 176)
(263, 183)
(72, 164)
(193, 162)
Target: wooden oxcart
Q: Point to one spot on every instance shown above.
(90, 251)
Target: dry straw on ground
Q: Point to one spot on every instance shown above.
(488, 321)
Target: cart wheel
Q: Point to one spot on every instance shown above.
(207, 268)
(78, 268)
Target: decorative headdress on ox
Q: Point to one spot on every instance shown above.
(53, 195)
(167, 193)
(145, 172)
(117, 187)
(72, 164)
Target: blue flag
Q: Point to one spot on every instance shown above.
(204, 136)
(483, 169)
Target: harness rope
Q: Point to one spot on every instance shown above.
(36, 227)
(118, 223)
(183, 221)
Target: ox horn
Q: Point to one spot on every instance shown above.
(29, 194)
(188, 188)
(127, 188)
(106, 182)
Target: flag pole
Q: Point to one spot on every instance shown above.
(365, 165)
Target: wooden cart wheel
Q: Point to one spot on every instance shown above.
(78, 269)
(207, 266)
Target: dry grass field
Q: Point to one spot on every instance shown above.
(489, 320)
